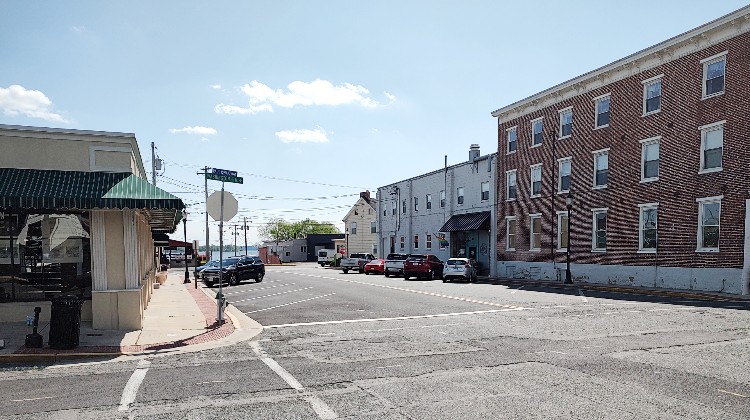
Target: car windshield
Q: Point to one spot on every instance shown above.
(417, 258)
(397, 257)
(229, 261)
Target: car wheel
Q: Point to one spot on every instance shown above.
(259, 277)
(234, 280)
(445, 280)
(386, 274)
(346, 270)
(406, 277)
(209, 284)
(361, 271)
(430, 275)
(367, 273)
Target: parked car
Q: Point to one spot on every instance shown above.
(423, 265)
(234, 270)
(356, 261)
(198, 270)
(394, 264)
(327, 257)
(460, 268)
(376, 266)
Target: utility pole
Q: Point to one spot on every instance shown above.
(205, 181)
(245, 228)
(235, 240)
(153, 163)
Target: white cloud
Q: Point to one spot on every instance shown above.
(217, 86)
(79, 29)
(389, 96)
(234, 109)
(17, 100)
(204, 131)
(318, 135)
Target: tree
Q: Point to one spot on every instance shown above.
(280, 230)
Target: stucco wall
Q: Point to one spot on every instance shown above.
(115, 250)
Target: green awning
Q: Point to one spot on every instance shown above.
(36, 189)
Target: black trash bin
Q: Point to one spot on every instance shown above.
(65, 322)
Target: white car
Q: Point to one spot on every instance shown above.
(460, 268)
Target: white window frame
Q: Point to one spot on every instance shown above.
(645, 143)
(373, 227)
(508, 234)
(353, 228)
(705, 129)
(416, 204)
(534, 122)
(650, 82)
(531, 181)
(597, 101)
(699, 239)
(428, 242)
(560, 215)
(442, 199)
(416, 241)
(507, 184)
(641, 209)
(514, 131)
(460, 196)
(594, 213)
(403, 206)
(428, 202)
(482, 187)
(560, 162)
(402, 243)
(708, 61)
(531, 232)
(562, 113)
(394, 207)
(596, 154)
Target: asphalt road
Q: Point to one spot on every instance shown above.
(340, 345)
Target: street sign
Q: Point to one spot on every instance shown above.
(223, 172)
(225, 178)
(213, 205)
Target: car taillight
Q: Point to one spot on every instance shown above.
(467, 266)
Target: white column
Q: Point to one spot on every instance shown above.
(131, 249)
(746, 267)
(98, 250)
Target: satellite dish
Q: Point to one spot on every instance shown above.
(213, 206)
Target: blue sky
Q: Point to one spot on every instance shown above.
(310, 101)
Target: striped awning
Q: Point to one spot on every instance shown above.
(467, 222)
(36, 189)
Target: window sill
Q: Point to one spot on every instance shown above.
(535, 145)
(599, 250)
(535, 196)
(510, 250)
(707, 250)
(563, 192)
(601, 126)
(647, 251)
(507, 200)
(651, 113)
(598, 187)
(562, 250)
(708, 171)
(535, 250)
(647, 180)
(712, 95)
(565, 137)
(510, 153)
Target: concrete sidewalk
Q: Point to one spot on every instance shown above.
(179, 318)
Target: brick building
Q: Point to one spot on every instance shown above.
(653, 151)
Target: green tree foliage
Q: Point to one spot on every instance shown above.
(280, 230)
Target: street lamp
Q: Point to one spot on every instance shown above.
(184, 232)
(568, 205)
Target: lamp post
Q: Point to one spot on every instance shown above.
(569, 206)
(184, 233)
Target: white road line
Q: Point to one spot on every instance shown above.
(33, 399)
(319, 406)
(387, 367)
(273, 294)
(290, 303)
(398, 318)
(514, 292)
(257, 289)
(131, 388)
(414, 291)
(210, 382)
(734, 393)
(583, 297)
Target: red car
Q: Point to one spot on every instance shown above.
(376, 266)
(423, 265)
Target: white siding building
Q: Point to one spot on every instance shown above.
(361, 226)
(449, 212)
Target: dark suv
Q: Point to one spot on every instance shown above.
(234, 270)
(423, 265)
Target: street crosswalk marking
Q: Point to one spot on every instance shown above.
(272, 294)
(256, 289)
(290, 303)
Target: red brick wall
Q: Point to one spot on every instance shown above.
(679, 184)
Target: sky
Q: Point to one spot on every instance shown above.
(311, 102)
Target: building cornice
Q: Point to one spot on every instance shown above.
(702, 37)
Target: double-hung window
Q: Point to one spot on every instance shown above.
(373, 227)
(601, 109)
(535, 230)
(510, 184)
(428, 242)
(601, 168)
(562, 230)
(714, 71)
(537, 127)
(712, 146)
(512, 137)
(652, 95)
(485, 191)
(536, 180)
(647, 233)
(650, 159)
(460, 195)
(402, 243)
(599, 230)
(510, 233)
(428, 201)
(353, 229)
(566, 122)
(403, 206)
(416, 204)
(563, 178)
(416, 241)
(442, 198)
(393, 208)
(709, 216)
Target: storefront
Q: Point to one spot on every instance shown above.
(470, 237)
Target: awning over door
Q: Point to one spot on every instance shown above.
(36, 189)
(467, 222)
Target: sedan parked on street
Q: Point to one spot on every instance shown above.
(198, 270)
(376, 266)
(460, 268)
(234, 270)
(423, 265)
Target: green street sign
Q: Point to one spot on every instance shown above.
(224, 178)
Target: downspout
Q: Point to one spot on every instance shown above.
(553, 215)
(746, 267)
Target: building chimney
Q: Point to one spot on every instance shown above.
(473, 152)
(365, 195)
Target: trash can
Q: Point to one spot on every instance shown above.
(65, 322)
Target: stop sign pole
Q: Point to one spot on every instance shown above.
(223, 176)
